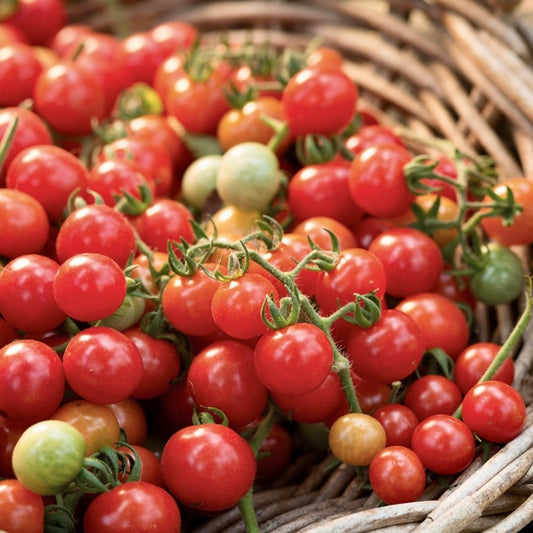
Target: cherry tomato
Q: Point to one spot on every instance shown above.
(186, 302)
(411, 259)
(113, 178)
(399, 422)
(21, 510)
(322, 190)
(69, 98)
(324, 55)
(24, 223)
(29, 17)
(26, 294)
(236, 305)
(315, 406)
(133, 506)
(389, 350)
(174, 35)
(222, 375)
(432, 394)
(161, 363)
(19, 69)
(495, 411)
(246, 124)
(209, 467)
(371, 135)
(50, 174)
(165, 220)
(443, 323)
(97, 229)
(355, 438)
(31, 380)
(367, 229)
(444, 443)
(499, 279)
(95, 422)
(197, 104)
(474, 360)
(317, 227)
(357, 272)
(248, 176)
(521, 230)
(293, 360)
(154, 159)
(10, 433)
(150, 464)
(397, 475)
(319, 100)
(89, 286)
(48, 456)
(102, 365)
(377, 183)
(132, 419)
(31, 130)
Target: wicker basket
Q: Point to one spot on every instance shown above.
(456, 69)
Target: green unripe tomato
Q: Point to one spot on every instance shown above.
(199, 180)
(500, 278)
(48, 456)
(248, 177)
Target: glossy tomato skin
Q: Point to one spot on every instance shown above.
(474, 360)
(357, 272)
(68, 97)
(50, 174)
(319, 100)
(10, 433)
(209, 467)
(499, 279)
(444, 324)
(397, 475)
(389, 350)
(102, 365)
(377, 183)
(21, 510)
(186, 302)
(371, 135)
(89, 286)
(96, 422)
(222, 375)
(31, 130)
(29, 17)
(521, 231)
(355, 438)
(132, 419)
(161, 363)
(293, 360)
(133, 506)
(164, 220)
(317, 228)
(399, 422)
(19, 68)
(432, 394)
(444, 443)
(98, 229)
(495, 411)
(31, 380)
(26, 294)
(236, 305)
(48, 456)
(322, 190)
(412, 261)
(24, 223)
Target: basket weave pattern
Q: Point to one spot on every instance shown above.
(455, 69)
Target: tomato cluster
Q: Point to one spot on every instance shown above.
(210, 250)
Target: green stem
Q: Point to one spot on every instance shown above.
(507, 348)
(246, 507)
(263, 429)
(116, 14)
(7, 139)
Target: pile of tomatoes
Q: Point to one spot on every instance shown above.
(213, 259)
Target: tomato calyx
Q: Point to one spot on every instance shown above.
(138, 100)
